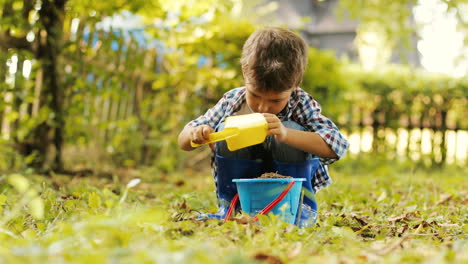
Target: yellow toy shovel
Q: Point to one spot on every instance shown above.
(240, 131)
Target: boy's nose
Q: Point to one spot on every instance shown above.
(262, 108)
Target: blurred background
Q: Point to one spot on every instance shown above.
(105, 84)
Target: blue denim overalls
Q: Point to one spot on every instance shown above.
(270, 156)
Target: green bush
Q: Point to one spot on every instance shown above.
(345, 89)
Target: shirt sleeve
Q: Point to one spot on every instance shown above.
(309, 114)
(213, 116)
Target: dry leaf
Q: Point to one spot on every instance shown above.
(389, 248)
(244, 220)
(294, 250)
(183, 205)
(448, 225)
(267, 258)
(444, 199)
(179, 182)
(360, 219)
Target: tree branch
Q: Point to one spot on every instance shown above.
(7, 9)
(28, 5)
(9, 42)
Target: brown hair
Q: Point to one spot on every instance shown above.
(274, 59)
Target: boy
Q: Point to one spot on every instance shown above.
(273, 63)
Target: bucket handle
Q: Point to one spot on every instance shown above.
(264, 210)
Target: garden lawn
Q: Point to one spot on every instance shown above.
(381, 213)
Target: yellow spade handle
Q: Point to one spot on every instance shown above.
(218, 136)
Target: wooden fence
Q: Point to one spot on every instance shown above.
(432, 135)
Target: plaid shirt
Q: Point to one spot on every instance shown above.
(301, 108)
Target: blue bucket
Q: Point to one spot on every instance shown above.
(256, 194)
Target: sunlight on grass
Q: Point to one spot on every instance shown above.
(386, 214)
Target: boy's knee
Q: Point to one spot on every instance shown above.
(285, 153)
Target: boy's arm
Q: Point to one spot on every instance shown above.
(309, 142)
(322, 137)
(197, 134)
(198, 130)
(184, 139)
(309, 113)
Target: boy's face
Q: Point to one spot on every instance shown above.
(267, 101)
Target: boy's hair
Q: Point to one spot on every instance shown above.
(274, 59)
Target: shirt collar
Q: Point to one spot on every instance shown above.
(292, 103)
(240, 99)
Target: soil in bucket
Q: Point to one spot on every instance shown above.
(272, 175)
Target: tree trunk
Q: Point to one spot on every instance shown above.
(47, 50)
(51, 17)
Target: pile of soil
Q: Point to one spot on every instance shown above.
(272, 175)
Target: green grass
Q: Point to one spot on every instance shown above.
(380, 213)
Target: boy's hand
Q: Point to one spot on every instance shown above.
(200, 134)
(275, 127)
